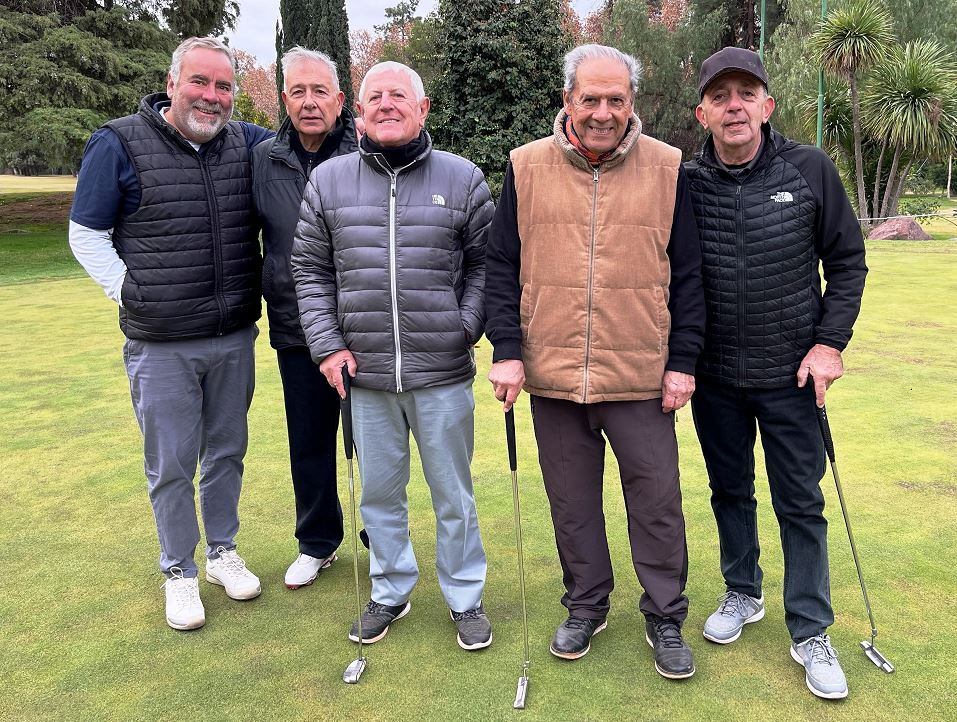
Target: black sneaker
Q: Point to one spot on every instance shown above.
(673, 657)
(475, 631)
(573, 637)
(376, 620)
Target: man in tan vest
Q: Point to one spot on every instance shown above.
(595, 307)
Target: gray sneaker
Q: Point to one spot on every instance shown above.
(734, 611)
(475, 631)
(822, 672)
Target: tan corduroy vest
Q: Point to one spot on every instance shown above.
(595, 271)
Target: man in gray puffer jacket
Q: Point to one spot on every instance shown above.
(389, 263)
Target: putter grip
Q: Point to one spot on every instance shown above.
(345, 406)
(826, 432)
(510, 438)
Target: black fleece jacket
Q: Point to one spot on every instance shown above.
(503, 260)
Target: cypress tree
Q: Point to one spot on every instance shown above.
(318, 25)
(500, 83)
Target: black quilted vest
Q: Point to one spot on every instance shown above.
(760, 266)
(191, 248)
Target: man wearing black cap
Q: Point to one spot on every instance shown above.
(769, 212)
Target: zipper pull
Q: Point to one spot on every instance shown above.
(596, 174)
(737, 199)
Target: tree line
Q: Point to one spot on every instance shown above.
(493, 71)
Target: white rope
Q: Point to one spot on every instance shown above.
(949, 214)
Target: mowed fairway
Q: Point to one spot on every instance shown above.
(83, 634)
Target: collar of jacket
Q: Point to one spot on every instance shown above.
(617, 156)
(282, 149)
(150, 107)
(380, 165)
(772, 144)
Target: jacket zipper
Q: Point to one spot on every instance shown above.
(217, 248)
(591, 278)
(742, 288)
(394, 286)
(393, 174)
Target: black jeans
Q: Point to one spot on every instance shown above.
(726, 419)
(312, 420)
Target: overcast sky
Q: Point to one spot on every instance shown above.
(256, 30)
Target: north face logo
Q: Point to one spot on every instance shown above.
(438, 200)
(779, 197)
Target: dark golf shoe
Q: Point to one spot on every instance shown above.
(573, 637)
(673, 658)
(475, 631)
(376, 619)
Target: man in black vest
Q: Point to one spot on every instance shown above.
(317, 127)
(162, 219)
(770, 212)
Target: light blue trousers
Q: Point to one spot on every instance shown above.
(441, 420)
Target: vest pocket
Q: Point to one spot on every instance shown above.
(130, 294)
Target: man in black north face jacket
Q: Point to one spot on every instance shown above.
(770, 212)
(316, 129)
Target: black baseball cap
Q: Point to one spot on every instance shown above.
(730, 60)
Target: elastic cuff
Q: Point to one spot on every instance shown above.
(681, 364)
(507, 351)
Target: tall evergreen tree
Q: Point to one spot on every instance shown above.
(62, 75)
(500, 84)
(318, 25)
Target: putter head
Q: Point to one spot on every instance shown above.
(354, 671)
(876, 657)
(520, 693)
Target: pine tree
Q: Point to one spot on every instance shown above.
(317, 25)
(501, 79)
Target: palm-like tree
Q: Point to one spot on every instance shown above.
(851, 40)
(910, 102)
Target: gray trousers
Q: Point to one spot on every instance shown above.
(441, 420)
(190, 399)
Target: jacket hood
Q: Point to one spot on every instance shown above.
(617, 155)
(150, 108)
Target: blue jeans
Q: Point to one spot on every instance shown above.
(726, 419)
(441, 419)
(190, 399)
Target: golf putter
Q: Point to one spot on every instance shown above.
(357, 666)
(522, 689)
(869, 647)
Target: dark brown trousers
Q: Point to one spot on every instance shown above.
(571, 451)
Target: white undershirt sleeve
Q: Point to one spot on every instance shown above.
(95, 252)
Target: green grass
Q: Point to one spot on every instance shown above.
(81, 607)
(33, 237)
(942, 228)
(36, 184)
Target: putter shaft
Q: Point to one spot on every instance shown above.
(522, 689)
(358, 665)
(869, 647)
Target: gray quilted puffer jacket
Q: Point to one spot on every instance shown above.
(391, 265)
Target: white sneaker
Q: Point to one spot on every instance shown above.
(303, 571)
(230, 571)
(184, 608)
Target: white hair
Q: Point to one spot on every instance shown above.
(579, 55)
(176, 64)
(414, 78)
(299, 54)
